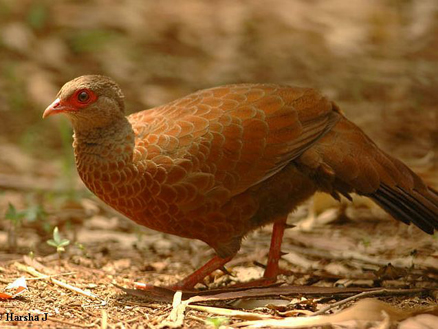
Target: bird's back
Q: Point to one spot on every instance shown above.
(239, 134)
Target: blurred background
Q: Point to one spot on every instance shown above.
(377, 59)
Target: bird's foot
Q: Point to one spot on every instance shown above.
(257, 283)
(273, 272)
(189, 282)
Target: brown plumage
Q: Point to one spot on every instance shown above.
(221, 162)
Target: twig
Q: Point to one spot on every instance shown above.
(381, 292)
(192, 317)
(104, 321)
(134, 319)
(51, 276)
(74, 289)
(347, 255)
(122, 323)
(39, 277)
(28, 269)
(149, 305)
(230, 313)
(37, 274)
(74, 324)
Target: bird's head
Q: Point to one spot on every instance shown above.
(89, 101)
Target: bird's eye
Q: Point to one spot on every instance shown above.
(83, 97)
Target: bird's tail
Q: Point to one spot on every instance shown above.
(418, 205)
(357, 165)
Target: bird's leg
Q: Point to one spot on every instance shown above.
(189, 282)
(271, 272)
(216, 263)
(272, 269)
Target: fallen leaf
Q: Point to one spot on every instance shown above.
(422, 321)
(231, 313)
(366, 310)
(18, 285)
(176, 316)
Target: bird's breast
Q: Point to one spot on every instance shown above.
(129, 188)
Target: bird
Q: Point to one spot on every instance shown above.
(222, 162)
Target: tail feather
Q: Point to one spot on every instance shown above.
(432, 196)
(420, 208)
(349, 161)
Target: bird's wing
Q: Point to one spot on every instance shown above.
(236, 136)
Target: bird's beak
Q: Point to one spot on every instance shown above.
(56, 107)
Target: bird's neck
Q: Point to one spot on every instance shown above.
(101, 134)
(109, 142)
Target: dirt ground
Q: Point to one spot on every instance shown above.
(376, 59)
(344, 246)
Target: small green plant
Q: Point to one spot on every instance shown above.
(38, 16)
(58, 242)
(217, 322)
(366, 241)
(16, 218)
(82, 248)
(35, 212)
(13, 215)
(91, 40)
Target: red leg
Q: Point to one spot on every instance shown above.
(272, 268)
(271, 272)
(190, 281)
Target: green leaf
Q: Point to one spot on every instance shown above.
(13, 215)
(52, 243)
(63, 243)
(80, 246)
(37, 16)
(36, 212)
(58, 242)
(56, 235)
(91, 40)
(217, 322)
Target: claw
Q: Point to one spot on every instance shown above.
(256, 263)
(225, 271)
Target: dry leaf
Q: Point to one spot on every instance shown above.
(19, 286)
(231, 313)
(366, 310)
(176, 316)
(422, 321)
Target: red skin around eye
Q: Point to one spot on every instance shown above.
(74, 101)
(71, 104)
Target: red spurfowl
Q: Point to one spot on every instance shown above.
(221, 162)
